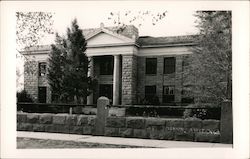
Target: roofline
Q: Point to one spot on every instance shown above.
(114, 44)
(46, 51)
(168, 45)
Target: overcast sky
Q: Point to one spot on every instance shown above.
(178, 21)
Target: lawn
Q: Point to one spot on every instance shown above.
(30, 143)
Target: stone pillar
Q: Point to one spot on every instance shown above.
(226, 123)
(101, 116)
(129, 79)
(31, 78)
(178, 78)
(116, 80)
(90, 74)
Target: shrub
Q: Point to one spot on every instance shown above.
(203, 112)
(23, 96)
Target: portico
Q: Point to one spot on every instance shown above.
(107, 45)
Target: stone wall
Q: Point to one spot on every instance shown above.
(160, 79)
(129, 78)
(59, 123)
(165, 129)
(136, 127)
(31, 79)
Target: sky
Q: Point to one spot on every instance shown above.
(177, 21)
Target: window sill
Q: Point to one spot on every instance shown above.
(151, 74)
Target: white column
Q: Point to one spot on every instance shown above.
(90, 74)
(116, 80)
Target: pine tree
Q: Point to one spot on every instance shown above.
(208, 77)
(57, 61)
(69, 78)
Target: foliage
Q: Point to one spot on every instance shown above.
(23, 96)
(208, 75)
(57, 61)
(138, 18)
(31, 27)
(68, 67)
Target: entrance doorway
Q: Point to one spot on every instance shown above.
(106, 90)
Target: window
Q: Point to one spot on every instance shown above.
(168, 94)
(106, 65)
(42, 68)
(42, 94)
(186, 98)
(150, 95)
(169, 65)
(151, 65)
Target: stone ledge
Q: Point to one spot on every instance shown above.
(211, 124)
(32, 118)
(178, 123)
(21, 117)
(59, 119)
(125, 132)
(155, 122)
(192, 124)
(116, 122)
(207, 137)
(45, 119)
(135, 122)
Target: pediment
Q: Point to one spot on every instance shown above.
(106, 37)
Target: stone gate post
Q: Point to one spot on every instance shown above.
(226, 123)
(101, 116)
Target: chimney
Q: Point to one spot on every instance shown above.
(101, 25)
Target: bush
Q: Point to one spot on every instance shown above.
(23, 96)
(203, 112)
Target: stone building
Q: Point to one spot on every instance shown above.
(130, 69)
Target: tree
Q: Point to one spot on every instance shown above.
(31, 27)
(208, 77)
(68, 67)
(57, 61)
(138, 18)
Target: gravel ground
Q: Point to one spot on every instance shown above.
(30, 143)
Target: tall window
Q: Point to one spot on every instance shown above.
(151, 65)
(168, 94)
(106, 65)
(169, 65)
(150, 93)
(42, 94)
(42, 68)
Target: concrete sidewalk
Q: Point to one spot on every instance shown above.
(119, 140)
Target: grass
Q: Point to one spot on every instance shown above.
(30, 143)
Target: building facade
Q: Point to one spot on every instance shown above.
(129, 69)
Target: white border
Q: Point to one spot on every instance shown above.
(240, 84)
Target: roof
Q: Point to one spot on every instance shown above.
(131, 31)
(150, 41)
(128, 31)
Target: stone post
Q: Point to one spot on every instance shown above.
(90, 74)
(129, 79)
(101, 116)
(116, 80)
(226, 123)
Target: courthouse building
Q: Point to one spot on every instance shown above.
(130, 69)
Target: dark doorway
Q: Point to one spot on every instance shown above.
(106, 90)
(42, 94)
